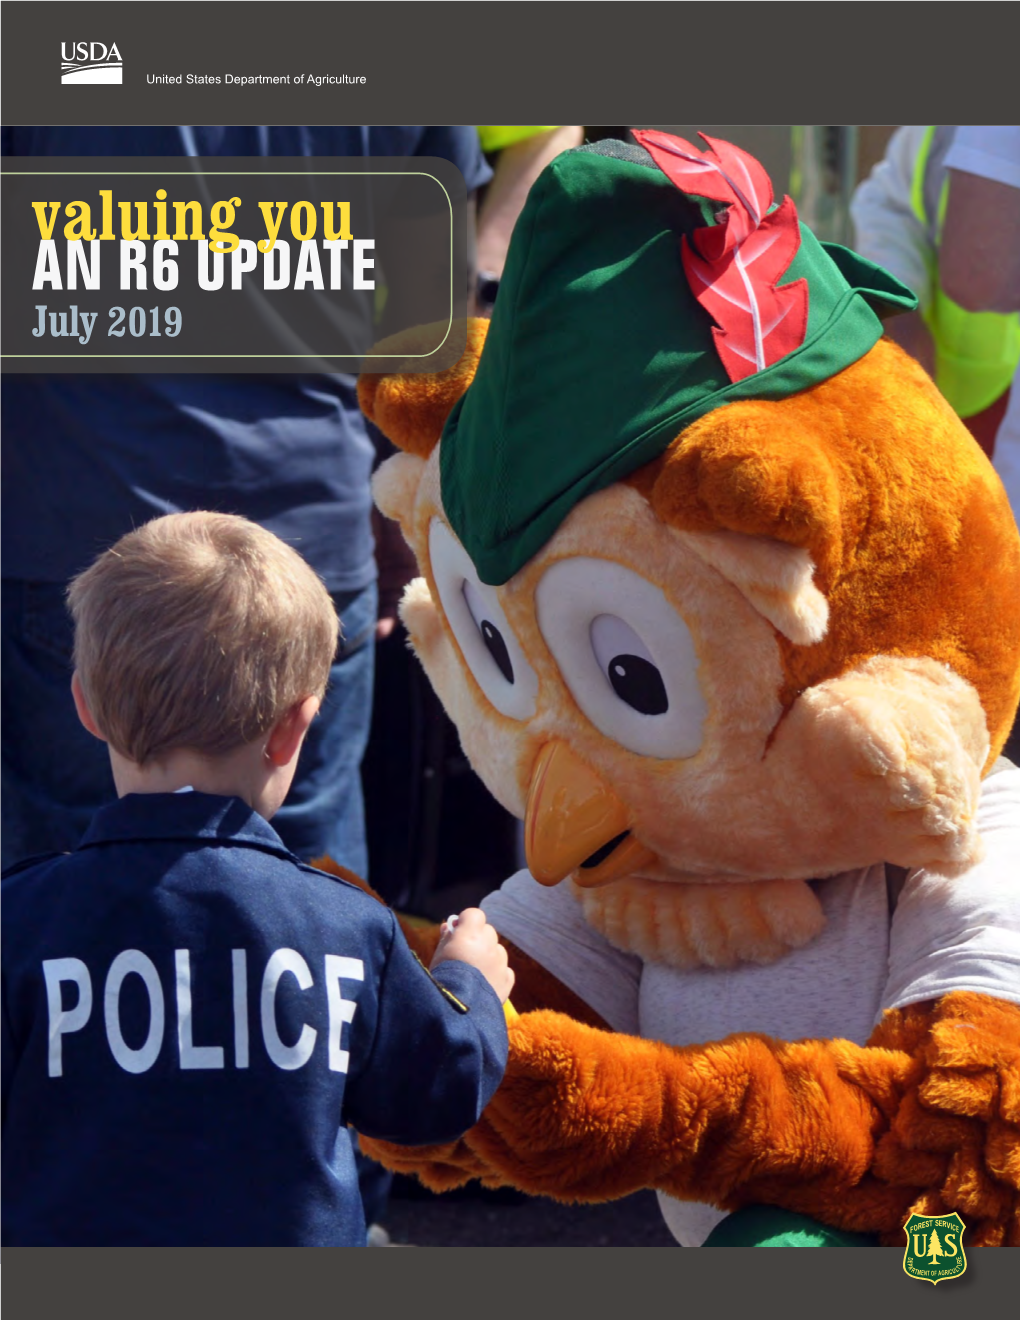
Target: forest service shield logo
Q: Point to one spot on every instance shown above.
(934, 1247)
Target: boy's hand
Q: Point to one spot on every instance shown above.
(469, 938)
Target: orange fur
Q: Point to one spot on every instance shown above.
(858, 1137)
(874, 475)
(412, 409)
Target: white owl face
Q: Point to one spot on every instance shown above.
(621, 694)
(648, 675)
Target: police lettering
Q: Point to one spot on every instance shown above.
(69, 1002)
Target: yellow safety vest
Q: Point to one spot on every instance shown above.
(494, 137)
(976, 353)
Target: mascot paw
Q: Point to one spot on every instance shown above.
(441, 1168)
(955, 1136)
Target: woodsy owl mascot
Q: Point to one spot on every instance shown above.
(725, 603)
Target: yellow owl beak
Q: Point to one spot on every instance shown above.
(572, 815)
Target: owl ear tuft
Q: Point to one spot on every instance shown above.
(775, 578)
(411, 408)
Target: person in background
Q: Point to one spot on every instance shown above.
(899, 214)
(980, 262)
(518, 155)
(88, 457)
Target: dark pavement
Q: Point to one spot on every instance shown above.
(470, 1218)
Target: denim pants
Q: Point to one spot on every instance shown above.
(54, 775)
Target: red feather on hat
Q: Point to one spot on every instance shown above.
(733, 267)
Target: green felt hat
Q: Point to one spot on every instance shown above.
(598, 354)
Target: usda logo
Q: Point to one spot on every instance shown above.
(90, 62)
(934, 1247)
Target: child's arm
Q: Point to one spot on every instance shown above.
(438, 1044)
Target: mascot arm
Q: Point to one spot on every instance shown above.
(450, 1165)
(926, 1117)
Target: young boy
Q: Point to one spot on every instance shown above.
(191, 1015)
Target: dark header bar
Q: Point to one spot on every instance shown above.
(317, 63)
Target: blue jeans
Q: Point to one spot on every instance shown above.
(54, 775)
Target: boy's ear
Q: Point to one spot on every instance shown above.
(288, 733)
(81, 705)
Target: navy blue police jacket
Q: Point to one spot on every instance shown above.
(191, 1019)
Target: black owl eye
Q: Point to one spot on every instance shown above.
(497, 648)
(637, 682)
(484, 635)
(625, 653)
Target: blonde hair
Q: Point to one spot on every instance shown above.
(198, 630)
